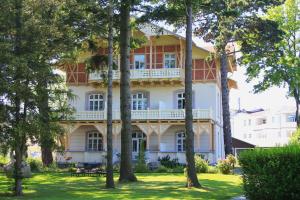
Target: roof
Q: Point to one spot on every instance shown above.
(237, 143)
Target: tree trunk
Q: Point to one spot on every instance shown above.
(109, 166)
(47, 157)
(18, 190)
(192, 180)
(126, 172)
(297, 101)
(225, 103)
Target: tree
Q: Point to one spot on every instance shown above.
(126, 172)
(190, 158)
(223, 22)
(181, 15)
(280, 64)
(109, 167)
(32, 35)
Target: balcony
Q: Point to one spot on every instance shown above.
(140, 75)
(174, 114)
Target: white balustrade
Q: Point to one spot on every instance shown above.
(172, 114)
(142, 74)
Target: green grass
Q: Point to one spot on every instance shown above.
(54, 186)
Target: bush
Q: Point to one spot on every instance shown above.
(3, 160)
(178, 169)
(271, 173)
(167, 162)
(224, 166)
(212, 170)
(201, 165)
(141, 166)
(161, 169)
(232, 160)
(36, 165)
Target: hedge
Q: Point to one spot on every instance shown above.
(271, 173)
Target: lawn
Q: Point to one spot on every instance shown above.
(54, 186)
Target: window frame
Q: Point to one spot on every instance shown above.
(134, 61)
(101, 101)
(182, 98)
(99, 141)
(170, 59)
(180, 141)
(144, 100)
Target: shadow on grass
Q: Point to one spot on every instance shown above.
(57, 186)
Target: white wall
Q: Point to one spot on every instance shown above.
(205, 97)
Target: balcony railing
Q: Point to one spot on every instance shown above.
(143, 74)
(174, 114)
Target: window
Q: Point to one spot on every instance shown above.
(170, 60)
(249, 122)
(273, 120)
(139, 61)
(180, 138)
(96, 102)
(264, 121)
(245, 122)
(291, 118)
(139, 101)
(94, 141)
(138, 139)
(180, 100)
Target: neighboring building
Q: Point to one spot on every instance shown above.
(157, 83)
(264, 128)
(240, 145)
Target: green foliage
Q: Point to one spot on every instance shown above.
(141, 161)
(224, 166)
(231, 159)
(212, 170)
(161, 169)
(272, 173)
(36, 165)
(168, 162)
(3, 160)
(201, 165)
(295, 139)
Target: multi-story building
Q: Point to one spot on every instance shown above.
(264, 128)
(157, 83)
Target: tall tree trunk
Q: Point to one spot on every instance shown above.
(109, 166)
(46, 139)
(18, 190)
(192, 180)
(225, 103)
(297, 101)
(126, 172)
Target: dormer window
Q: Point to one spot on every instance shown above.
(139, 61)
(170, 60)
(96, 102)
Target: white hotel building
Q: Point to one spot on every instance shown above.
(157, 83)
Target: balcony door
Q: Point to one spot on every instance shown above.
(139, 101)
(139, 141)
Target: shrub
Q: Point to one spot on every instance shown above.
(3, 160)
(161, 169)
(271, 173)
(178, 169)
(232, 160)
(212, 170)
(141, 166)
(224, 166)
(36, 165)
(167, 162)
(201, 165)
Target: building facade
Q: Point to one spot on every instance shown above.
(264, 128)
(157, 83)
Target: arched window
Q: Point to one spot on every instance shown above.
(180, 141)
(96, 102)
(138, 139)
(94, 141)
(139, 101)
